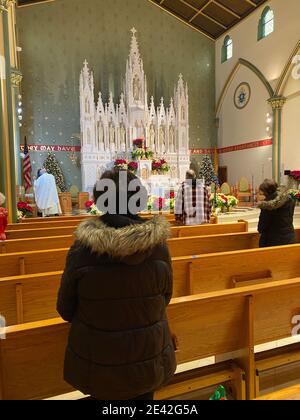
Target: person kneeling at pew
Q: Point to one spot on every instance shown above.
(276, 217)
(115, 289)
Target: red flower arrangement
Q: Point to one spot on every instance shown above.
(25, 209)
(133, 166)
(89, 204)
(139, 143)
(161, 166)
(295, 175)
(121, 164)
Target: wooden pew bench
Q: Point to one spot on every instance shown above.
(31, 356)
(178, 246)
(286, 394)
(192, 275)
(177, 231)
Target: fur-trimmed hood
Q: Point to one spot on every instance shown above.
(277, 201)
(137, 238)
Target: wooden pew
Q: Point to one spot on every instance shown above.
(31, 356)
(178, 246)
(286, 394)
(192, 275)
(40, 222)
(43, 225)
(176, 231)
(209, 229)
(55, 219)
(29, 298)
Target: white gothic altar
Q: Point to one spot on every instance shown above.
(108, 130)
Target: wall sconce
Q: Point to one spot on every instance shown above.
(20, 110)
(269, 122)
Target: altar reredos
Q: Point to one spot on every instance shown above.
(108, 130)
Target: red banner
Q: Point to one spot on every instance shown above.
(236, 148)
(229, 149)
(48, 148)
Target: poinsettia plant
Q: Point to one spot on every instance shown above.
(133, 167)
(295, 175)
(161, 166)
(24, 210)
(139, 143)
(121, 164)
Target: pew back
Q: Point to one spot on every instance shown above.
(31, 356)
(22, 231)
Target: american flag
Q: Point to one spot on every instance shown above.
(26, 168)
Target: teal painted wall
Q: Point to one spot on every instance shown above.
(56, 38)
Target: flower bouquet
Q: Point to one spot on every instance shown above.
(139, 143)
(24, 210)
(142, 154)
(92, 208)
(225, 202)
(160, 166)
(121, 164)
(133, 167)
(295, 175)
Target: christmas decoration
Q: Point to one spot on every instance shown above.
(207, 172)
(219, 394)
(52, 167)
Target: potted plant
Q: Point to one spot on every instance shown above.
(24, 210)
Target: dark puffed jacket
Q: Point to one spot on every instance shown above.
(115, 289)
(276, 220)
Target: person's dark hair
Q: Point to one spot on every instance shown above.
(190, 174)
(114, 175)
(269, 187)
(39, 172)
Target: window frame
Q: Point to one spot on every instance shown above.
(225, 47)
(262, 23)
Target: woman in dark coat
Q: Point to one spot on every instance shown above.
(115, 289)
(276, 218)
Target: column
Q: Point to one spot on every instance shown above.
(277, 104)
(9, 128)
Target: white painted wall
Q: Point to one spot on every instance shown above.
(270, 56)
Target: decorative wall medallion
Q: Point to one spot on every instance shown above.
(242, 95)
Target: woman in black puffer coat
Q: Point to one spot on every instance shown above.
(115, 289)
(276, 218)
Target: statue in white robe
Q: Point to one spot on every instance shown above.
(46, 195)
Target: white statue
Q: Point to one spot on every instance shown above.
(101, 136)
(172, 139)
(122, 135)
(112, 136)
(136, 88)
(152, 137)
(162, 139)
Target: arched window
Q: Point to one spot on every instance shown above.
(266, 23)
(227, 49)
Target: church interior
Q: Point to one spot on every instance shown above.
(189, 98)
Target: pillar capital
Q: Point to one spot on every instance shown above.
(16, 78)
(5, 5)
(277, 102)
